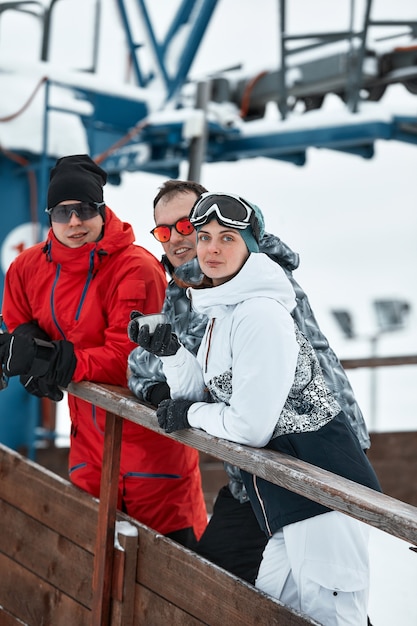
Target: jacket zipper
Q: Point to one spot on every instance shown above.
(83, 295)
(86, 286)
(208, 342)
(58, 271)
(261, 504)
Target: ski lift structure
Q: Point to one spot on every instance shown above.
(162, 118)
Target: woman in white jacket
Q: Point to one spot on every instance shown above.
(256, 381)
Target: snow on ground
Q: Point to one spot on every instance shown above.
(393, 597)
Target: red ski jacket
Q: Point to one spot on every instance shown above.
(85, 295)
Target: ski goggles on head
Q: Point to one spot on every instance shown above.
(230, 211)
(162, 233)
(61, 213)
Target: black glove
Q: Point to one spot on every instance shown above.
(37, 386)
(161, 343)
(31, 329)
(54, 360)
(132, 327)
(157, 393)
(172, 415)
(40, 388)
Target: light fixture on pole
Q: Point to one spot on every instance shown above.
(390, 316)
(345, 321)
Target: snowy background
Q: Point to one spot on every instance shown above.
(353, 221)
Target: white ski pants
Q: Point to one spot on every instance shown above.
(320, 566)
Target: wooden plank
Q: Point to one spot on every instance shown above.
(394, 457)
(379, 510)
(165, 567)
(34, 601)
(6, 619)
(124, 576)
(203, 590)
(119, 562)
(152, 609)
(213, 477)
(48, 498)
(50, 556)
(103, 557)
(55, 459)
(380, 361)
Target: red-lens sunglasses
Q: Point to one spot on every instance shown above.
(162, 232)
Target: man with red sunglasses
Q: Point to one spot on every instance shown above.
(172, 206)
(173, 228)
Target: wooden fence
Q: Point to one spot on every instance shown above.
(59, 543)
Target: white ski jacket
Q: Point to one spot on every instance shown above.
(259, 291)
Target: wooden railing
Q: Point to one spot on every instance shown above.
(381, 511)
(379, 361)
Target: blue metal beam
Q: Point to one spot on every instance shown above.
(197, 15)
(404, 128)
(142, 81)
(166, 147)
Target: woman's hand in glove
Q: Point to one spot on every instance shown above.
(161, 343)
(172, 415)
(157, 393)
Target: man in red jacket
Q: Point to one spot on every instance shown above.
(67, 303)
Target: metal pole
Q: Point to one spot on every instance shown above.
(282, 84)
(199, 141)
(46, 31)
(357, 70)
(373, 385)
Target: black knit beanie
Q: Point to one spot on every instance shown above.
(76, 177)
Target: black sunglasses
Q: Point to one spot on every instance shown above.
(61, 213)
(162, 232)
